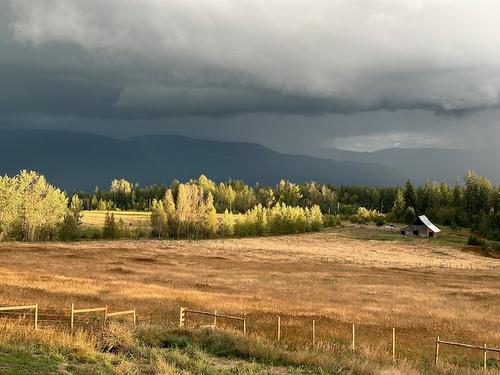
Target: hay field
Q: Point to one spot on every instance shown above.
(295, 277)
(131, 219)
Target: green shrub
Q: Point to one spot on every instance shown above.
(409, 215)
(379, 220)
(69, 230)
(331, 220)
(110, 230)
(475, 241)
(161, 338)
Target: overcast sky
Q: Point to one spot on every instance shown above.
(293, 75)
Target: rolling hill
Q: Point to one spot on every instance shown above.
(76, 161)
(421, 164)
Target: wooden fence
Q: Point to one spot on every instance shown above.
(483, 348)
(243, 319)
(353, 336)
(24, 308)
(86, 311)
(402, 263)
(183, 311)
(60, 316)
(123, 313)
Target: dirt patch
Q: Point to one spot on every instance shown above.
(144, 260)
(121, 270)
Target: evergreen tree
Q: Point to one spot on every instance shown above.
(101, 205)
(458, 195)
(70, 227)
(410, 197)
(110, 230)
(409, 216)
(76, 208)
(94, 202)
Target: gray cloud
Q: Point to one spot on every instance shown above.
(293, 75)
(227, 57)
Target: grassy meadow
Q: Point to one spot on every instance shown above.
(388, 283)
(132, 220)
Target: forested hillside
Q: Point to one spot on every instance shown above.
(422, 164)
(76, 161)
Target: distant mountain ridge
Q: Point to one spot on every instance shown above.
(76, 161)
(421, 164)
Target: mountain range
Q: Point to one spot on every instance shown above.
(76, 161)
(422, 164)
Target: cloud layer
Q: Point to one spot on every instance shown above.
(154, 58)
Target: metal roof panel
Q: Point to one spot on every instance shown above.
(428, 224)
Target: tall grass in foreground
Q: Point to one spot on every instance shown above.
(156, 350)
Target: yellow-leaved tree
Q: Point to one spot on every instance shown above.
(30, 208)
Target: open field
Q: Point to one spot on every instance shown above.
(297, 277)
(131, 219)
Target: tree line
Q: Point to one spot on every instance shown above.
(31, 209)
(473, 202)
(238, 197)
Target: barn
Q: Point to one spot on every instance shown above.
(421, 227)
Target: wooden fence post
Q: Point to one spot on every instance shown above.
(314, 333)
(436, 359)
(215, 318)
(72, 324)
(353, 338)
(182, 317)
(244, 323)
(279, 329)
(36, 317)
(394, 344)
(484, 357)
(105, 315)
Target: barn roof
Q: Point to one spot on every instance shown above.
(428, 224)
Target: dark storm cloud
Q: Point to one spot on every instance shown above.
(288, 74)
(227, 57)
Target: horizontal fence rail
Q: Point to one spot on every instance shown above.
(351, 336)
(123, 313)
(483, 348)
(20, 308)
(81, 311)
(215, 315)
(86, 311)
(393, 263)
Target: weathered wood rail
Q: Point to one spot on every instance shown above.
(24, 308)
(20, 312)
(183, 311)
(485, 349)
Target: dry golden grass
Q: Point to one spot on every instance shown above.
(131, 219)
(268, 276)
